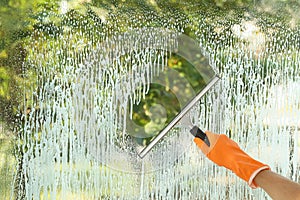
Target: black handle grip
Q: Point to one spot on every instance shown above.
(197, 132)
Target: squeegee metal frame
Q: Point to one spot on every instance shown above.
(146, 149)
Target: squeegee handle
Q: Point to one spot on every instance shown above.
(197, 132)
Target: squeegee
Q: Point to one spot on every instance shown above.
(197, 132)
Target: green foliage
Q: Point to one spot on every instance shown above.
(4, 82)
(18, 19)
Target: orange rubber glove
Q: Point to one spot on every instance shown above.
(225, 152)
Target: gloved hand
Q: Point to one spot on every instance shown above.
(225, 152)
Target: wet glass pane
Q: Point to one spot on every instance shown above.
(85, 84)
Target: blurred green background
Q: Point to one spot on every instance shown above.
(21, 19)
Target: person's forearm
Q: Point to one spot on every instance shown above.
(278, 187)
